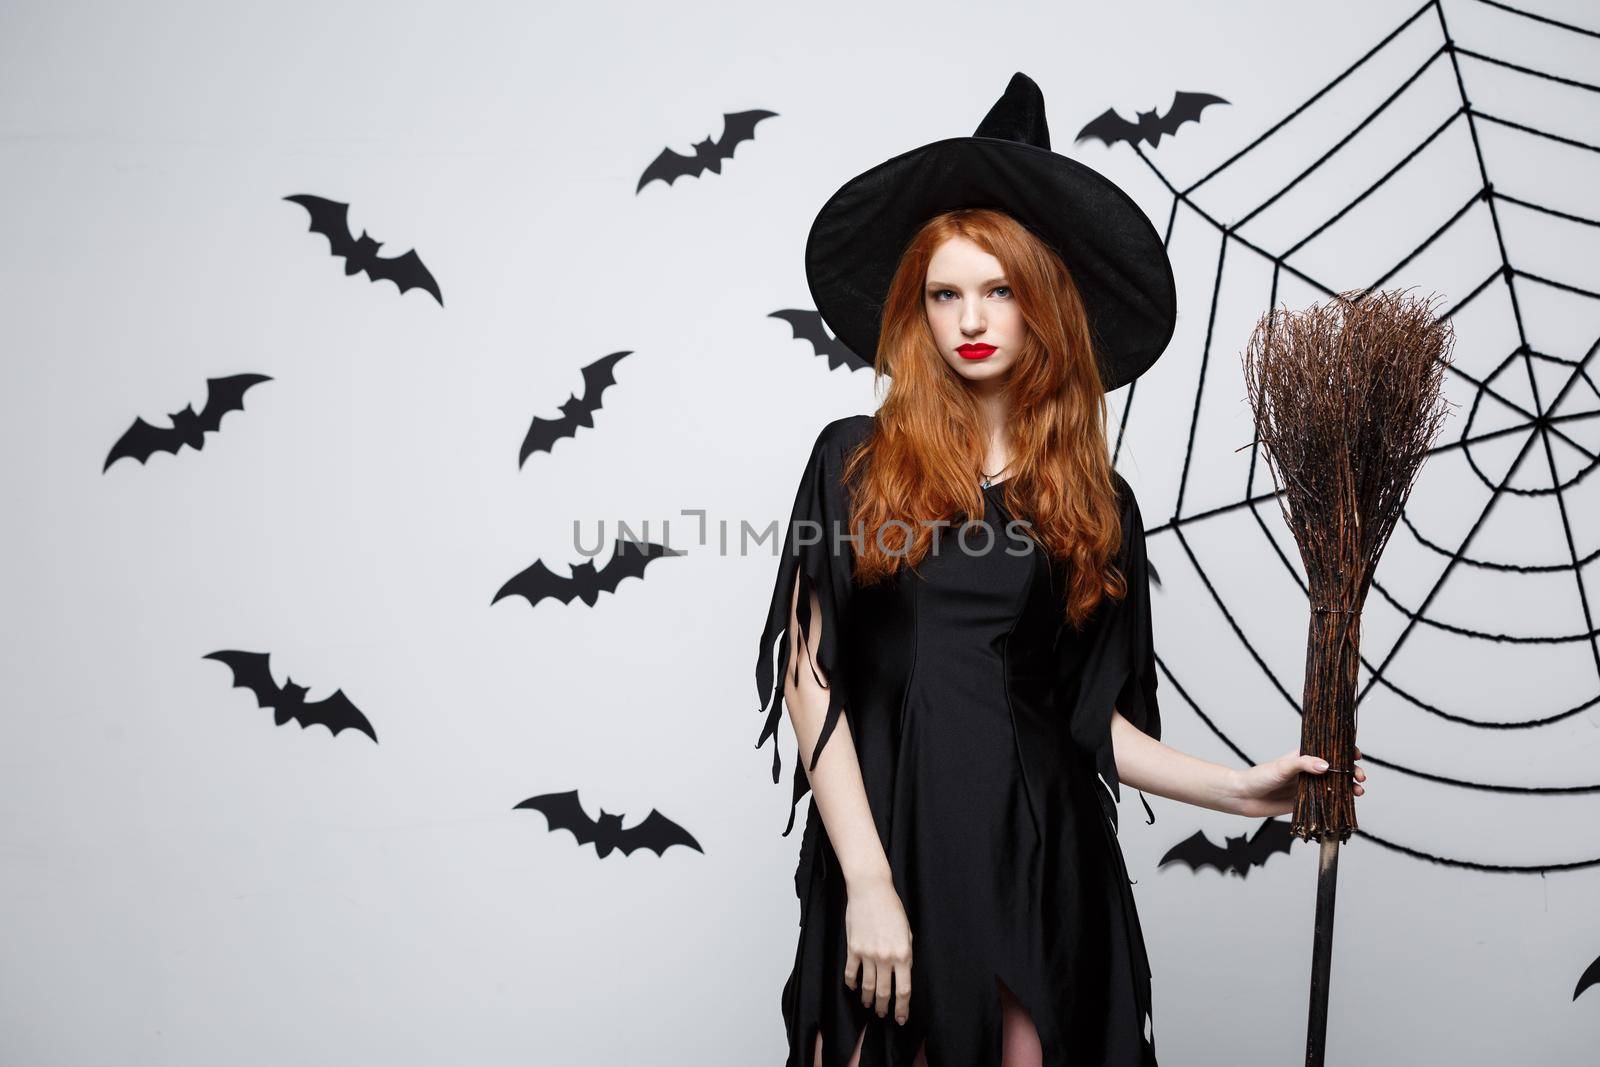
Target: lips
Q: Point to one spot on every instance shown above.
(975, 351)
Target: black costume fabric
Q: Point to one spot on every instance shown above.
(979, 720)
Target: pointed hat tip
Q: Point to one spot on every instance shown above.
(1018, 115)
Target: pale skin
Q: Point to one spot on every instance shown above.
(967, 300)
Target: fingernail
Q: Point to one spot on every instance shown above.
(1322, 764)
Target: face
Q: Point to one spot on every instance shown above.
(972, 311)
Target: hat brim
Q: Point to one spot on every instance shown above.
(1115, 255)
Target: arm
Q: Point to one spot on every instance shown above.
(836, 781)
(877, 934)
(1265, 789)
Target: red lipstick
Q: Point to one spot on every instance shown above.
(974, 351)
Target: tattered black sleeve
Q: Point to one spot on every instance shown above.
(1110, 664)
(816, 551)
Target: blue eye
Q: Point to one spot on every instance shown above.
(936, 293)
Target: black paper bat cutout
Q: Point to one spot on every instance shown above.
(1240, 853)
(142, 440)
(808, 326)
(1111, 127)
(575, 413)
(1589, 977)
(656, 833)
(288, 701)
(332, 219)
(737, 127)
(628, 560)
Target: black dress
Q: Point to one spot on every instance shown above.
(980, 721)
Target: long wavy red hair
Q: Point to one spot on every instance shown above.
(928, 440)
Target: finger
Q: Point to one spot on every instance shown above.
(881, 1001)
(852, 964)
(1314, 764)
(869, 982)
(902, 992)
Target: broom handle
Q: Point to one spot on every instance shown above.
(1322, 951)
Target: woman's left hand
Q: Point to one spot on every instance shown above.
(1269, 788)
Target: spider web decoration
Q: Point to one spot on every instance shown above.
(1526, 425)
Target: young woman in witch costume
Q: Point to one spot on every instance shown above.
(963, 608)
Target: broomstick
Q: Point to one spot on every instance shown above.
(1347, 402)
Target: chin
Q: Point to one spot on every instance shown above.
(980, 372)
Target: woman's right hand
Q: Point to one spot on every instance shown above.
(878, 943)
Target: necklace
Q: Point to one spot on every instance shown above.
(988, 479)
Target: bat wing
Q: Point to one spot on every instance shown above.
(564, 812)
(329, 218)
(224, 395)
(537, 582)
(628, 560)
(1109, 127)
(1272, 837)
(250, 671)
(142, 440)
(405, 271)
(1197, 851)
(808, 326)
(1589, 977)
(597, 377)
(668, 167)
(576, 412)
(544, 433)
(657, 833)
(337, 713)
(1186, 107)
(738, 127)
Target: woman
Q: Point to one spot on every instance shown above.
(962, 610)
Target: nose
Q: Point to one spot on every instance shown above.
(972, 322)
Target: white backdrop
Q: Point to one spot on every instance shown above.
(186, 883)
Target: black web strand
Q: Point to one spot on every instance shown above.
(1177, 529)
(1460, 306)
(1200, 387)
(1438, 232)
(1566, 216)
(1571, 83)
(1387, 40)
(1547, 20)
(1231, 231)
(1567, 287)
(1416, 150)
(1313, 98)
(1133, 386)
(1536, 427)
(1342, 142)
(1535, 131)
(1455, 557)
(1483, 175)
(1566, 530)
(1447, 861)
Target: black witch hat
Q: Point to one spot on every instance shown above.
(1116, 257)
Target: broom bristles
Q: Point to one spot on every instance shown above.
(1348, 402)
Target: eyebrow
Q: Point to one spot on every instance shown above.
(947, 285)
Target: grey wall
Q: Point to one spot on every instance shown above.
(186, 883)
